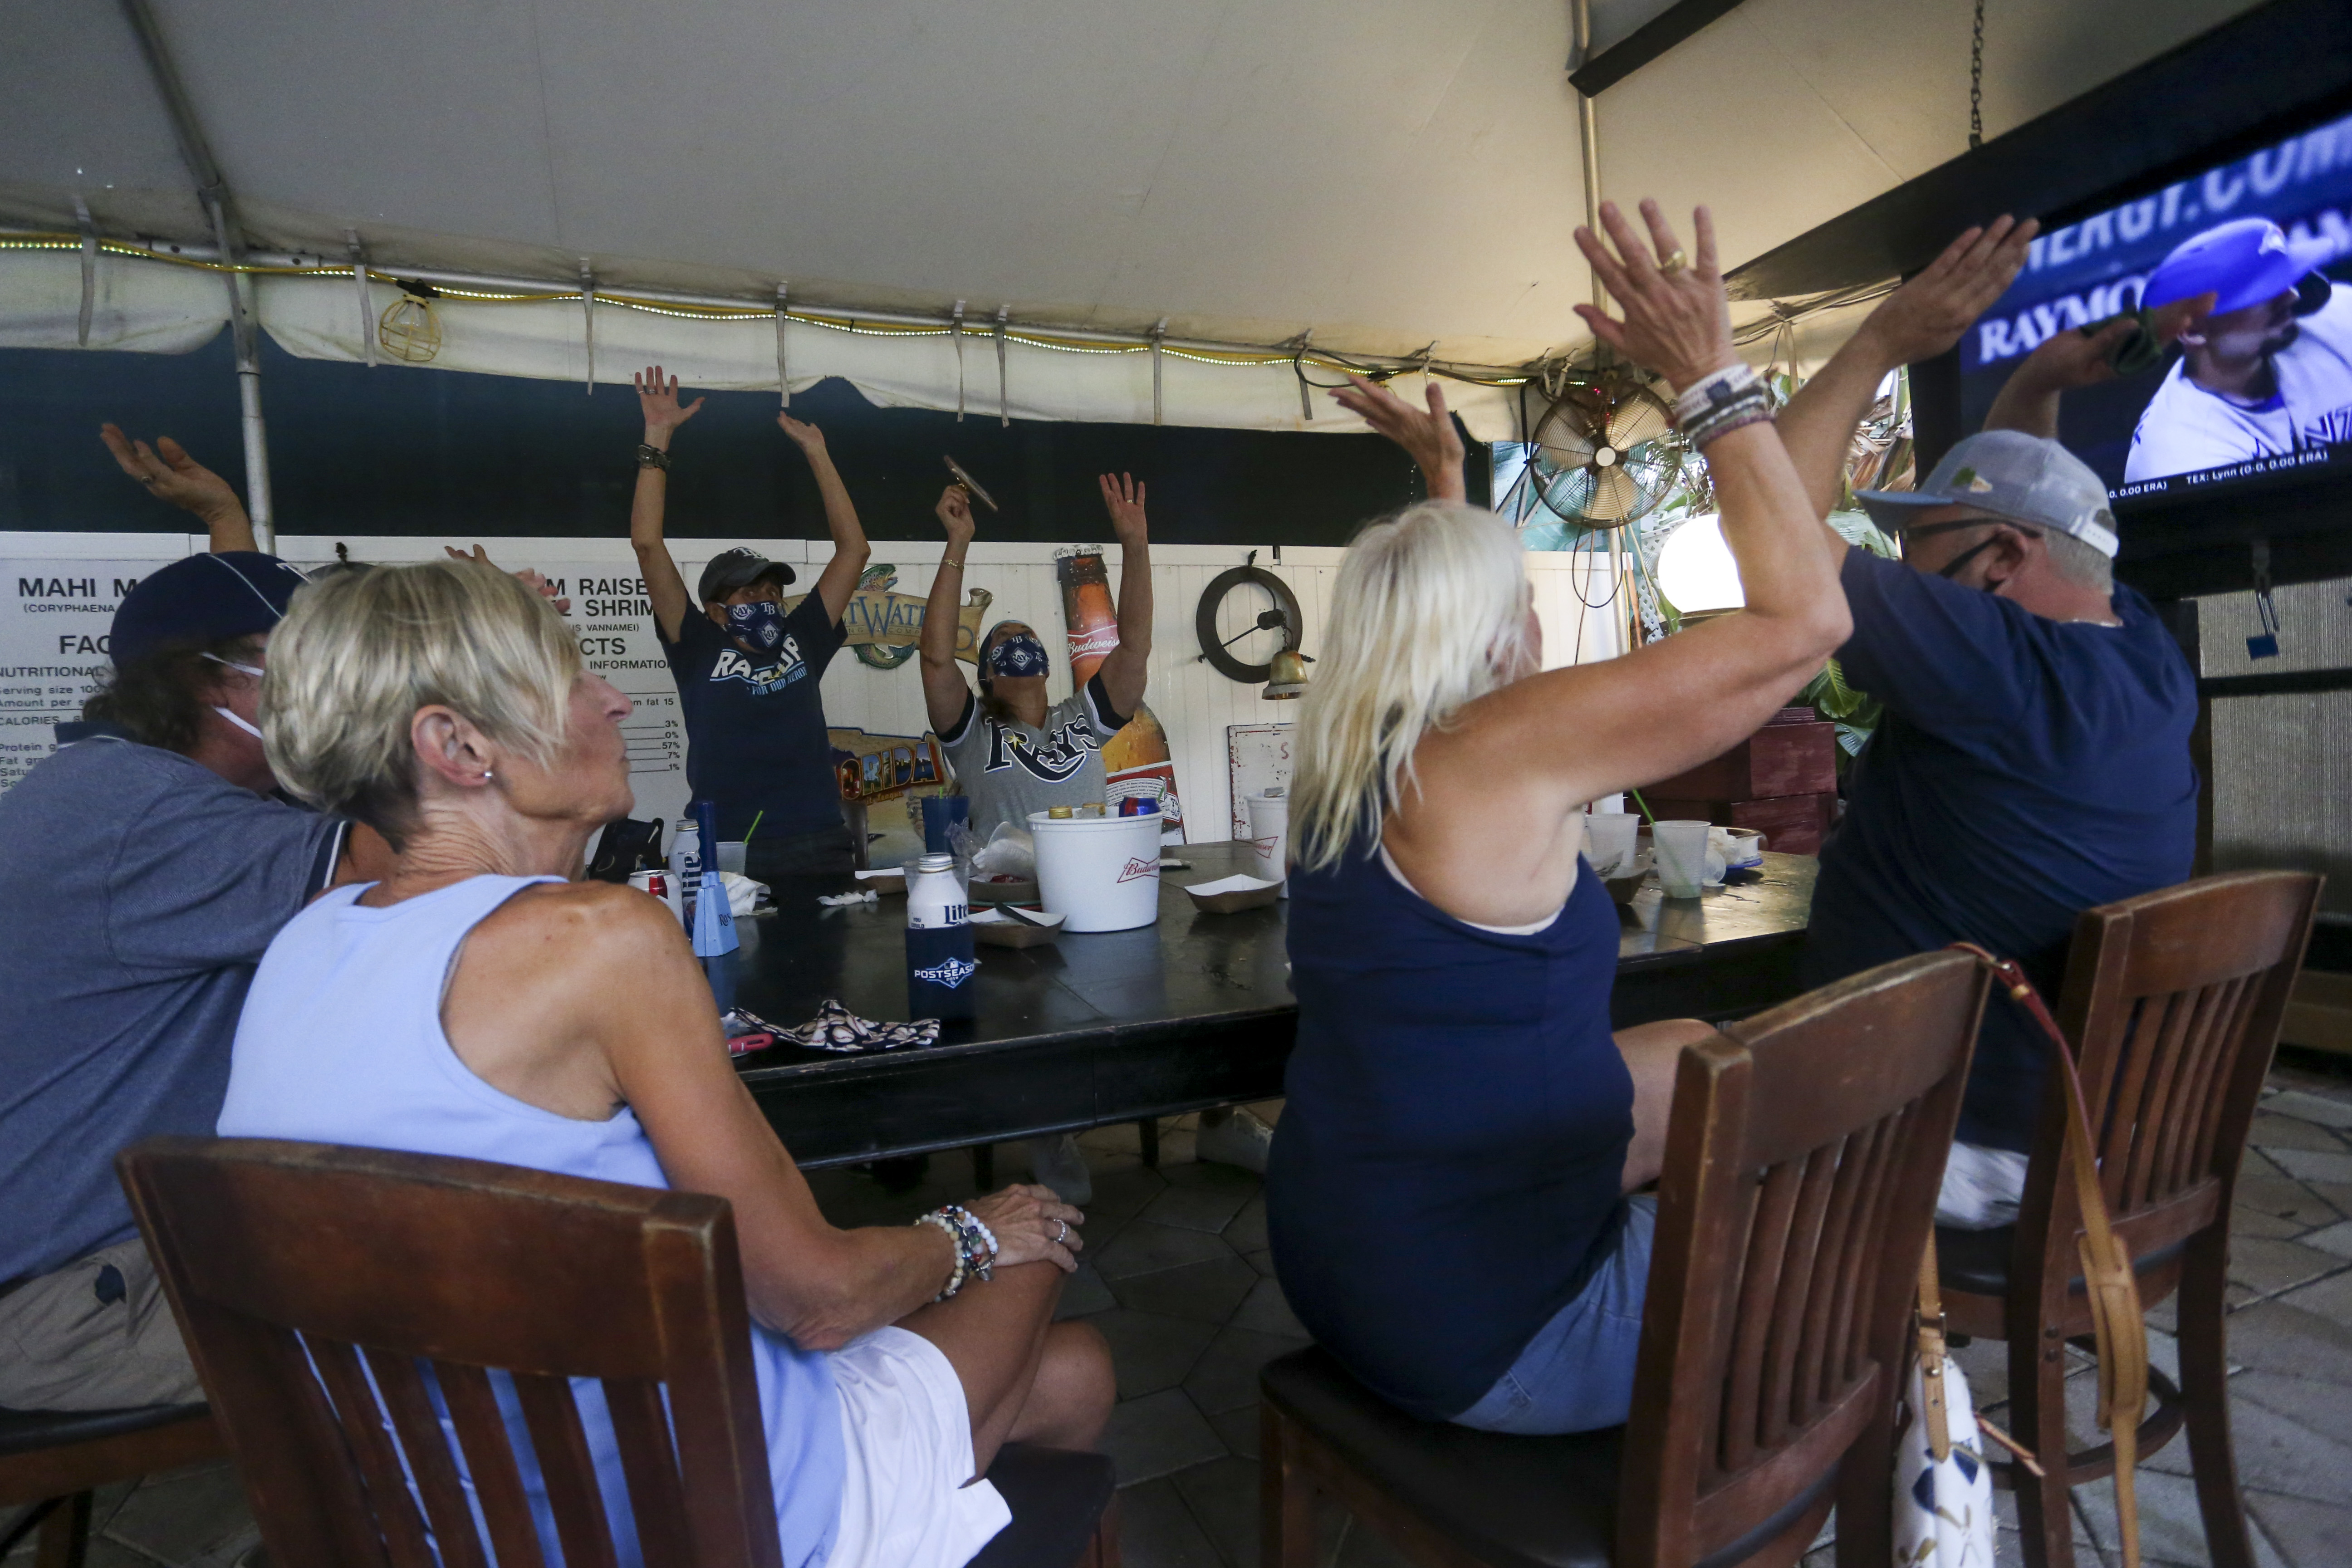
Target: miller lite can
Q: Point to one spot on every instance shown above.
(939, 964)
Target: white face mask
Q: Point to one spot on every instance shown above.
(239, 721)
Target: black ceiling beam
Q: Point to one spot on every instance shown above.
(2221, 94)
(1644, 43)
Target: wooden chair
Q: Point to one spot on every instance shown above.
(1802, 1161)
(2173, 1002)
(54, 1459)
(392, 1273)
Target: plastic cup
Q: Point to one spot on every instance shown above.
(1681, 856)
(1611, 834)
(1269, 839)
(731, 856)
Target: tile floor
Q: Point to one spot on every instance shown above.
(1178, 1278)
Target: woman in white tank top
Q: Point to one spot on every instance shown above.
(477, 1002)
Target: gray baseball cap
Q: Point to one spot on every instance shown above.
(738, 568)
(2026, 479)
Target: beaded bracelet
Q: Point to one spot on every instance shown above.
(1707, 436)
(975, 1245)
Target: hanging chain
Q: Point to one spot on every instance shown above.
(1976, 81)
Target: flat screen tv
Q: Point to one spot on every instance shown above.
(2257, 395)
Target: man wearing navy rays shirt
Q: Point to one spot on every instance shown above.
(747, 669)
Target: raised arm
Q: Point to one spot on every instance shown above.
(850, 550)
(2028, 400)
(657, 398)
(1431, 438)
(1599, 728)
(1124, 671)
(1919, 320)
(171, 475)
(944, 691)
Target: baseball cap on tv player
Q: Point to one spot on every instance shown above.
(2242, 262)
(202, 599)
(739, 568)
(2009, 474)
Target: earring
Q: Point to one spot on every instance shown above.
(486, 776)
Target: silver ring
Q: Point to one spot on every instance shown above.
(1063, 1238)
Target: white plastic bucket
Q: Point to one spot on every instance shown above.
(1100, 873)
(1269, 839)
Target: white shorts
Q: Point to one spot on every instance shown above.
(907, 1434)
(1982, 1187)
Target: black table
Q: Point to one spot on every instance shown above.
(1194, 1011)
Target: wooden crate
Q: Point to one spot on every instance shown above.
(1780, 759)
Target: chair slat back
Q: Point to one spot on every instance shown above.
(1803, 1159)
(2173, 1000)
(338, 1301)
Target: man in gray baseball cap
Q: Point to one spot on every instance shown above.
(2033, 761)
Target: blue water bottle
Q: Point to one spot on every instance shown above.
(939, 965)
(714, 920)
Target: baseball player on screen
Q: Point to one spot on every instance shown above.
(2266, 371)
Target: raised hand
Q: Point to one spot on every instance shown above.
(1927, 316)
(954, 512)
(657, 400)
(170, 474)
(1677, 319)
(1123, 499)
(1029, 1224)
(2067, 360)
(1430, 439)
(806, 436)
(529, 577)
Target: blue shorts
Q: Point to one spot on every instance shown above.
(1576, 1373)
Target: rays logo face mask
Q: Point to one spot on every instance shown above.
(760, 624)
(1016, 656)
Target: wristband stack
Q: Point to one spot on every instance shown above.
(975, 1245)
(1722, 402)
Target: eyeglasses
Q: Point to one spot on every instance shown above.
(1981, 519)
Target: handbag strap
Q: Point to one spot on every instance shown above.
(2112, 1287)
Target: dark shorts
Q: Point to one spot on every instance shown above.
(801, 860)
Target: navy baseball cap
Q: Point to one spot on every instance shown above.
(739, 568)
(2242, 262)
(2008, 473)
(202, 599)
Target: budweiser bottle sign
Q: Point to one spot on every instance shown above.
(1136, 758)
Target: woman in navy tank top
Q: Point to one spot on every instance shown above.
(1447, 1190)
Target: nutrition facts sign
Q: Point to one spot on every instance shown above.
(53, 643)
(55, 613)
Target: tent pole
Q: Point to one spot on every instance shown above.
(1588, 125)
(212, 189)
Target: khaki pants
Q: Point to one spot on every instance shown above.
(97, 1334)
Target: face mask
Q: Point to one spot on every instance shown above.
(241, 670)
(760, 623)
(1016, 656)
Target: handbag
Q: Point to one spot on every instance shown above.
(1944, 1489)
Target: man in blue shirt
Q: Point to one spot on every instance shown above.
(145, 865)
(747, 669)
(2033, 760)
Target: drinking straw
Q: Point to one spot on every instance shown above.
(755, 826)
(1645, 806)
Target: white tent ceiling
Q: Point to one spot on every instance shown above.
(1389, 172)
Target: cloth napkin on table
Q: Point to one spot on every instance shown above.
(836, 1028)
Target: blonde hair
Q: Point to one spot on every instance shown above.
(1429, 614)
(360, 651)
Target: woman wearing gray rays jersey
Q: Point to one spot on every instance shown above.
(1014, 752)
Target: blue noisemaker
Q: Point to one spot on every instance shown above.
(714, 921)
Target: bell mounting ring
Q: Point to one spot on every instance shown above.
(967, 482)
